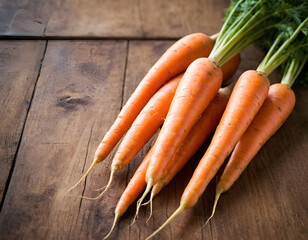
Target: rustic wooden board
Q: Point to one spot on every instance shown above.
(19, 69)
(110, 19)
(78, 95)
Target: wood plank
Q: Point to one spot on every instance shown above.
(78, 96)
(96, 218)
(80, 83)
(111, 19)
(19, 69)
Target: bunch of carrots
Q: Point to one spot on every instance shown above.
(182, 93)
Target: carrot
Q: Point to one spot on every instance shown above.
(230, 67)
(277, 106)
(174, 61)
(133, 189)
(197, 88)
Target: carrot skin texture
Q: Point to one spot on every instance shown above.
(246, 99)
(276, 108)
(196, 137)
(146, 124)
(174, 61)
(153, 114)
(230, 67)
(197, 88)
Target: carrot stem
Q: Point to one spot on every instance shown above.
(116, 217)
(177, 212)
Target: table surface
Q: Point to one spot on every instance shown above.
(66, 69)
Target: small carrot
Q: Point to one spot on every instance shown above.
(174, 61)
(133, 189)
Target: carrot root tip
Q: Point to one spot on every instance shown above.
(106, 188)
(116, 217)
(147, 190)
(151, 206)
(218, 193)
(84, 175)
(177, 212)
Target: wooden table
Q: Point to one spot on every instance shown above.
(66, 69)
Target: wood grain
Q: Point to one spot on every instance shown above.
(77, 97)
(82, 86)
(19, 69)
(110, 19)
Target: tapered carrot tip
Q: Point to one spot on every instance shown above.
(106, 187)
(95, 161)
(177, 212)
(116, 217)
(147, 190)
(218, 193)
(151, 206)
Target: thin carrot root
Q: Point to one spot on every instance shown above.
(106, 188)
(116, 217)
(218, 193)
(151, 206)
(95, 161)
(147, 190)
(177, 212)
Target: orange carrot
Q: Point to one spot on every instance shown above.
(133, 189)
(230, 67)
(276, 108)
(174, 61)
(197, 88)
(246, 99)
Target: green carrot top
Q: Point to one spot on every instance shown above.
(293, 67)
(290, 40)
(245, 22)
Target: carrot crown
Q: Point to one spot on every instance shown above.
(245, 22)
